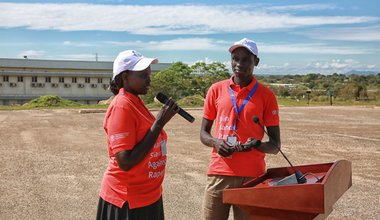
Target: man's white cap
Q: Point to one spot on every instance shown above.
(250, 45)
(131, 60)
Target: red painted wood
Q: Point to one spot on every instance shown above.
(312, 200)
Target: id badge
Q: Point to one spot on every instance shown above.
(232, 140)
(163, 147)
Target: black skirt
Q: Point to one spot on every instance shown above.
(107, 211)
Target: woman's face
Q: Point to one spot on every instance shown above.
(138, 82)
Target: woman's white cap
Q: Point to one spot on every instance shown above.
(248, 44)
(131, 60)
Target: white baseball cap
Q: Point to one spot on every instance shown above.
(131, 60)
(250, 45)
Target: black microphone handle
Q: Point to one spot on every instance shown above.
(257, 121)
(186, 115)
(163, 98)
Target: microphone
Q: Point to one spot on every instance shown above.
(163, 98)
(300, 178)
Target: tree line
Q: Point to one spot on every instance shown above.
(181, 80)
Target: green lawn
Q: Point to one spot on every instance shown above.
(186, 103)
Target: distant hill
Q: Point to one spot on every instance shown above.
(363, 72)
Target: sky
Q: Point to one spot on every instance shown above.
(293, 37)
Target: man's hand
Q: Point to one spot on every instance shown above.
(247, 146)
(223, 148)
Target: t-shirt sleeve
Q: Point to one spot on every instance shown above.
(121, 129)
(271, 114)
(209, 111)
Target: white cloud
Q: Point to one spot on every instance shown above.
(77, 44)
(39, 54)
(266, 66)
(176, 44)
(323, 67)
(312, 48)
(371, 66)
(186, 44)
(340, 66)
(210, 44)
(304, 7)
(32, 53)
(371, 33)
(77, 56)
(158, 20)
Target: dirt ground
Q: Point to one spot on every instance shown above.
(52, 161)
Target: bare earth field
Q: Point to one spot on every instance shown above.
(52, 161)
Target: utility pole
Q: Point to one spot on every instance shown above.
(308, 93)
(330, 94)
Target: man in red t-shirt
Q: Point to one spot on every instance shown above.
(131, 187)
(232, 104)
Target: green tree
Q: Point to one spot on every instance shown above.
(174, 81)
(204, 75)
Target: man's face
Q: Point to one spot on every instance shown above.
(242, 62)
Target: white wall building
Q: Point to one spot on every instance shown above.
(22, 80)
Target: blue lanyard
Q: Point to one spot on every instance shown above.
(238, 110)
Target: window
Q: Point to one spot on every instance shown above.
(87, 80)
(34, 79)
(100, 80)
(74, 80)
(20, 79)
(61, 79)
(48, 79)
(6, 78)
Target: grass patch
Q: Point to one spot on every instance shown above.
(51, 101)
(286, 101)
(192, 101)
(196, 101)
(154, 105)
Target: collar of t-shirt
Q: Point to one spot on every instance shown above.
(133, 98)
(237, 88)
(137, 100)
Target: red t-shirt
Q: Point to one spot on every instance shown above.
(126, 122)
(219, 107)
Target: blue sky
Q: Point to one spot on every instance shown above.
(293, 37)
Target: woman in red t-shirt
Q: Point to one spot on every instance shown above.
(132, 184)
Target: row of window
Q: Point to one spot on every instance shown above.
(48, 79)
(55, 85)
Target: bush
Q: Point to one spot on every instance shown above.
(192, 101)
(51, 101)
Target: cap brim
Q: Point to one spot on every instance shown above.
(234, 47)
(239, 45)
(144, 63)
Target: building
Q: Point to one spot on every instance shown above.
(22, 80)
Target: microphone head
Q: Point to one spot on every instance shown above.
(161, 97)
(255, 119)
(300, 178)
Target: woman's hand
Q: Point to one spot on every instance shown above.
(129, 158)
(168, 110)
